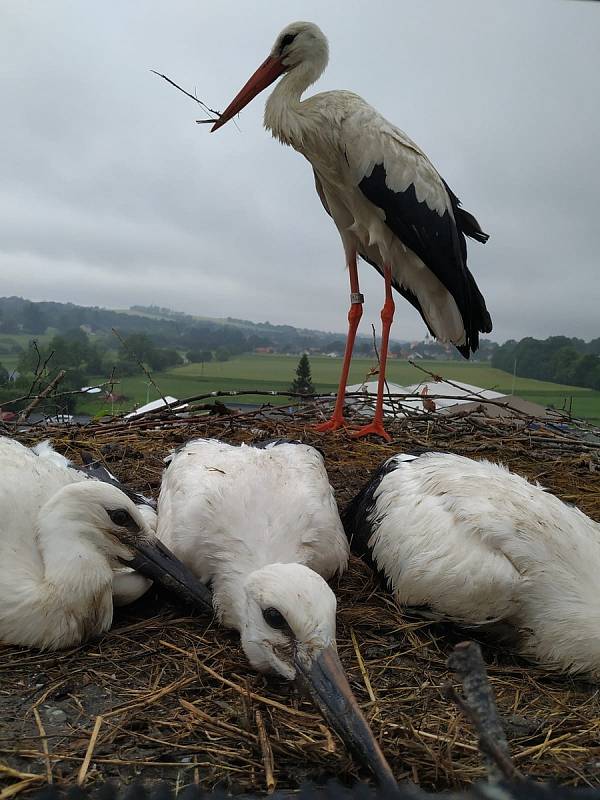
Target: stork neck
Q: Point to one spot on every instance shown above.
(283, 110)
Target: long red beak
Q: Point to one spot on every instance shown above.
(264, 76)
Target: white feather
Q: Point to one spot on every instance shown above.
(56, 554)
(476, 542)
(344, 137)
(247, 519)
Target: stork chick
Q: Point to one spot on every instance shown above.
(480, 545)
(262, 526)
(62, 537)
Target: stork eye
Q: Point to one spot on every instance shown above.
(287, 39)
(121, 518)
(274, 618)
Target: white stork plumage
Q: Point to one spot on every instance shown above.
(63, 537)
(128, 583)
(261, 525)
(390, 205)
(478, 544)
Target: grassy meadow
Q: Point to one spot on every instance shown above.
(276, 372)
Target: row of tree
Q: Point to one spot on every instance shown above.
(166, 328)
(558, 359)
(85, 360)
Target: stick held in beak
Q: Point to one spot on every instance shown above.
(269, 70)
(323, 677)
(154, 560)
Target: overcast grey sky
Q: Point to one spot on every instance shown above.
(111, 195)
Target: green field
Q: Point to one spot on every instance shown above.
(275, 372)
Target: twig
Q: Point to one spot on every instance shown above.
(440, 379)
(70, 393)
(266, 751)
(38, 372)
(41, 396)
(90, 749)
(479, 706)
(44, 741)
(258, 697)
(363, 670)
(191, 96)
(147, 372)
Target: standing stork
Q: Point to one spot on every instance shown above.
(260, 523)
(390, 205)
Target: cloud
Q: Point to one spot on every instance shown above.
(110, 194)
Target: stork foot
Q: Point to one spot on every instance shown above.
(332, 424)
(374, 428)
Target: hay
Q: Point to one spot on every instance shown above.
(165, 694)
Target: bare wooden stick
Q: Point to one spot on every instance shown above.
(23, 416)
(363, 670)
(90, 750)
(191, 96)
(44, 741)
(267, 752)
(479, 706)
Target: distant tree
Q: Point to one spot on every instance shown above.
(303, 381)
(3, 375)
(33, 319)
(138, 345)
(222, 354)
(163, 358)
(363, 347)
(9, 325)
(334, 346)
(199, 356)
(125, 367)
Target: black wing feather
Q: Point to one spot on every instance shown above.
(439, 241)
(94, 469)
(356, 517)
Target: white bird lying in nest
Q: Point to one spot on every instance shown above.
(260, 523)
(480, 545)
(63, 535)
(128, 584)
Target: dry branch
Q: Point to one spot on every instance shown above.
(167, 406)
(216, 114)
(24, 415)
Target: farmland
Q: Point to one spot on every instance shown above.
(275, 372)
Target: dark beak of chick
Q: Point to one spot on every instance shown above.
(322, 677)
(154, 560)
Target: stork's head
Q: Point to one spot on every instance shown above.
(102, 516)
(290, 610)
(301, 48)
(289, 629)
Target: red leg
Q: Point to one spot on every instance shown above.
(387, 316)
(354, 314)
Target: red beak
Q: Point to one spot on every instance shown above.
(264, 76)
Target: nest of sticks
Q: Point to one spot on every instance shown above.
(167, 694)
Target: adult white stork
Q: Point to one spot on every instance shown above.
(390, 205)
(260, 523)
(62, 536)
(480, 545)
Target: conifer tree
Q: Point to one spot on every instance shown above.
(303, 380)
